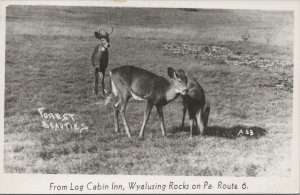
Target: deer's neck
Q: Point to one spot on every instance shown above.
(171, 94)
(102, 49)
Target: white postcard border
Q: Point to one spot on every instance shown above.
(40, 183)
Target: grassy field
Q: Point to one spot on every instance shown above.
(48, 64)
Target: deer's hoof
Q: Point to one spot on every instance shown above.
(99, 103)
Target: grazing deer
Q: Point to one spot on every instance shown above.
(130, 81)
(100, 58)
(194, 103)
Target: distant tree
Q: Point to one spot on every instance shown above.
(245, 35)
(268, 39)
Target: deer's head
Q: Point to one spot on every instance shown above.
(179, 79)
(103, 36)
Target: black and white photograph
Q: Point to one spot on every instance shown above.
(149, 91)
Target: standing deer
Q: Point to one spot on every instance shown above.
(100, 58)
(130, 81)
(194, 103)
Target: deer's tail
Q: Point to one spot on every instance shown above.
(205, 114)
(202, 118)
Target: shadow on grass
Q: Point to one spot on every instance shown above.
(228, 132)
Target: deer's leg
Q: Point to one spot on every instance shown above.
(122, 110)
(102, 83)
(148, 108)
(192, 120)
(191, 127)
(183, 117)
(161, 116)
(96, 81)
(116, 115)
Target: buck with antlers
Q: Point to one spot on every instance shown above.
(194, 103)
(130, 81)
(100, 58)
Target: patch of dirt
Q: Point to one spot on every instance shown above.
(284, 83)
(236, 58)
(195, 50)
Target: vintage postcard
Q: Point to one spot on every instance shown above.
(149, 97)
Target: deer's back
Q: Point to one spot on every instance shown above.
(141, 82)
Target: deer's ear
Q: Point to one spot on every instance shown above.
(171, 73)
(181, 72)
(97, 35)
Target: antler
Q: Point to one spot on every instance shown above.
(99, 30)
(112, 30)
